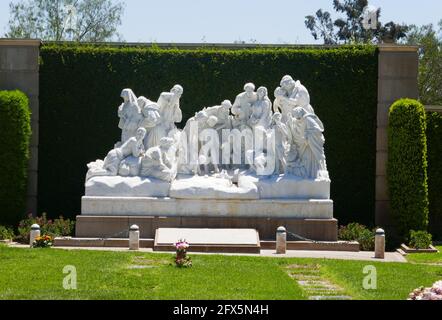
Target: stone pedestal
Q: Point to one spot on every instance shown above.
(167, 207)
(116, 226)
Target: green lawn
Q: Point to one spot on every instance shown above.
(429, 258)
(37, 274)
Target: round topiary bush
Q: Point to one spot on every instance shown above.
(407, 166)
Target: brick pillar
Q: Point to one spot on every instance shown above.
(398, 78)
(19, 69)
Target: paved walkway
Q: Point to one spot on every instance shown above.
(339, 255)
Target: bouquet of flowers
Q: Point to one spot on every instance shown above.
(43, 242)
(181, 259)
(433, 293)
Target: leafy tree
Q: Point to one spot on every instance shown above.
(58, 20)
(430, 64)
(351, 28)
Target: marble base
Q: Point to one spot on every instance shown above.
(203, 188)
(126, 187)
(167, 207)
(209, 240)
(288, 187)
(249, 187)
(109, 227)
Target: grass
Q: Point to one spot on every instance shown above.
(426, 258)
(37, 274)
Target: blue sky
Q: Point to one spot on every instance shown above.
(225, 21)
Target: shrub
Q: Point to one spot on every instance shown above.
(15, 124)
(420, 239)
(434, 143)
(407, 166)
(6, 233)
(55, 228)
(85, 114)
(358, 232)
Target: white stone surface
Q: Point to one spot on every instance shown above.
(126, 206)
(288, 187)
(117, 186)
(205, 187)
(167, 236)
(153, 151)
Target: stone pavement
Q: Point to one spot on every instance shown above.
(339, 255)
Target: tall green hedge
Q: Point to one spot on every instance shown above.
(15, 124)
(434, 143)
(80, 88)
(407, 166)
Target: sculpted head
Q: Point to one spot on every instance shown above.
(287, 83)
(149, 110)
(262, 93)
(177, 90)
(128, 95)
(249, 89)
(226, 105)
(277, 117)
(141, 133)
(201, 116)
(280, 92)
(212, 121)
(298, 113)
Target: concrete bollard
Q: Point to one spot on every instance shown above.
(134, 237)
(379, 244)
(35, 233)
(281, 240)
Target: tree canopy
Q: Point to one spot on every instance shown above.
(353, 27)
(58, 20)
(430, 65)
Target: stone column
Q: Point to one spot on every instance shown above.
(281, 240)
(398, 78)
(19, 69)
(379, 244)
(134, 237)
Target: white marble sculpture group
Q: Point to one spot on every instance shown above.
(153, 147)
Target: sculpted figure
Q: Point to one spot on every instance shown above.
(261, 110)
(295, 95)
(152, 165)
(307, 134)
(134, 147)
(242, 107)
(282, 138)
(130, 115)
(279, 107)
(187, 161)
(169, 108)
(209, 157)
(152, 123)
(222, 113)
(169, 154)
